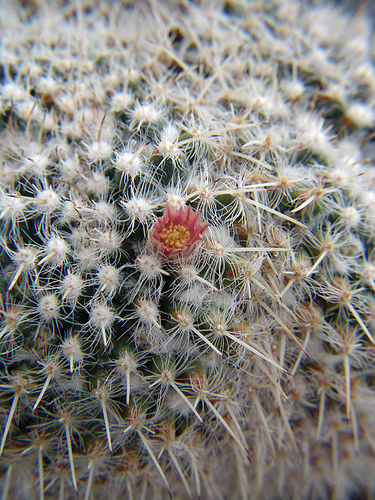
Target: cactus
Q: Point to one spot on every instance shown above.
(187, 266)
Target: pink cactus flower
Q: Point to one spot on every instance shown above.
(177, 232)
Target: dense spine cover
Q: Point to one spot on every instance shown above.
(187, 271)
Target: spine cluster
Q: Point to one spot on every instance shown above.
(187, 250)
